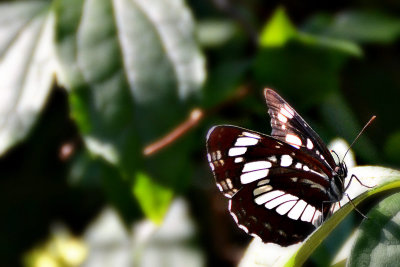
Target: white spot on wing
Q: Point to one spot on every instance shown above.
(230, 204)
(263, 182)
(229, 183)
(246, 141)
(238, 159)
(298, 165)
(289, 109)
(251, 135)
(253, 176)
(208, 157)
(262, 189)
(256, 165)
(219, 154)
(310, 144)
(294, 140)
(244, 228)
(282, 118)
(287, 112)
(306, 168)
(234, 217)
(212, 166)
(272, 158)
(286, 160)
(285, 207)
(280, 200)
(236, 151)
(219, 187)
(268, 196)
(297, 210)
(308, 213)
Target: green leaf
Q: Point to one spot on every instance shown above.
(27, 66)
(378, 241)
(94, 174)
(364, 26)
(153, 198)
(278, 30)
(214, 33)
(392, 147)
(340, 45)
(132, 67)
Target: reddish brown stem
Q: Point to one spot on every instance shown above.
(195, 117)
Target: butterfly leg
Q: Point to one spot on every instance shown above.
(351, 178)
(330, 211)
(351, 201)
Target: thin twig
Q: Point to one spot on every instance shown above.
(196, 115)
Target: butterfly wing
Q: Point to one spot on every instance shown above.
(275, 190)
(288, 126)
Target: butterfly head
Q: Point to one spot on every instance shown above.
(341, 170)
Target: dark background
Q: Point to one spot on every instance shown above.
(334, 90)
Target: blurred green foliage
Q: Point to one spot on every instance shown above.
(88, 85)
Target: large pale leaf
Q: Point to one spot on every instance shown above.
(296, 255)
(131, 65)
(378, 240)
(26, 67)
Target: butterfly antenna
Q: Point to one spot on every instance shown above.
(363, 129)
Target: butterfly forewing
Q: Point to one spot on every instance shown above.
(288, 126)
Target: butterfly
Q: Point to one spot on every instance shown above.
(280, 187)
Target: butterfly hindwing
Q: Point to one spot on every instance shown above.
(267, 224)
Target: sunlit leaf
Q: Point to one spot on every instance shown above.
(27, 65)
(278, 30)
(378, 239)
(153, 198)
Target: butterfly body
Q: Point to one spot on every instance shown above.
(280, 187)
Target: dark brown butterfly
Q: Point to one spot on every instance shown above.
(280, 187)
